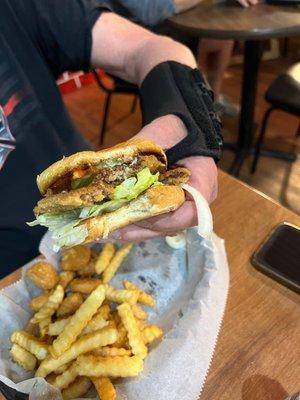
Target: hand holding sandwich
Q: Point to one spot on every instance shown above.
(167, 131)
(95, 196)
(91, 196)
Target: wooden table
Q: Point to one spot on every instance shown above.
(228, 20)
(258, 354)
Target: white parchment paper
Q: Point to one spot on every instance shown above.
(190, 286)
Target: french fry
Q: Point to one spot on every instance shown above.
(86, 343)
(48, 339)
(63, 368)
(96, 323)
(107, 351)
(141, 324)
(32, 329)
(144, 297)
(50, 306)
(51, 378)
(86, 337)
(84, 285)
(69, 305)
(105, 388)
(88, 270)
(104, 311)
(78, 321)
(151, 333)
(122, 337)
(121, 295)
(43, 275)
(30, 343)
(43, 325)
(65, 278)
(55, 328)
(77, 389)
(37, 302)
(67, 377)
(138, 312)
(112, 323)
(133, 333)
(116, 318)
(75, 258)
(23, 357)
(104, 257)
(116, 262)
(119, 366)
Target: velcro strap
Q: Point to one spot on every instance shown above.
(173, 88)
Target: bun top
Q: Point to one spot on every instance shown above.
(126, 151)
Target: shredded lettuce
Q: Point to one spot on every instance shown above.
(132, 187)
(69, 235)
(66, 228)
(55, 221)
(63, 227)
(105, 207)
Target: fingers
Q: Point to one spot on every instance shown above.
(184, 217)
(204, 175)
(166, 224)
(133, 233)
(244, 3)
(247, 3)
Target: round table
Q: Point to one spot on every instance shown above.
(228, 20)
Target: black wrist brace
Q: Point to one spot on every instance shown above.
(174, 88)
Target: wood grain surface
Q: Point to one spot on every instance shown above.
(228, 20)
(257, 355)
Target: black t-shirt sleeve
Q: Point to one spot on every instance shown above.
(62, 29)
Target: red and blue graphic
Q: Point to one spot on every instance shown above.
(7, 140)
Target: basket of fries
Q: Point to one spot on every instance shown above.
(118, 321)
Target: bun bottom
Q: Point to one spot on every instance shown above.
(155, 201)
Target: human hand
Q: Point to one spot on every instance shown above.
(247, 3)
(203, 178)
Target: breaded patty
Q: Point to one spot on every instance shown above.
(99, 190)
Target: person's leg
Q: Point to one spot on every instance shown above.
(214, 58)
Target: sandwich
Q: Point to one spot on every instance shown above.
(90, 194)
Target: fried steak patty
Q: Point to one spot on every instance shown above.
(102, 186)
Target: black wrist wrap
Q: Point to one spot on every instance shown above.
(174, 88)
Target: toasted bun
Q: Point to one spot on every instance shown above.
(126, 150)
(156, 200)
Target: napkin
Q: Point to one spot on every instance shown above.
(190, 286)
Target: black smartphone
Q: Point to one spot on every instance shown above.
(279, 256)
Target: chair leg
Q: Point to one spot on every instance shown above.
(298, 131)
(260, 139)
(134, 104)
(104, 119)
(285, 46)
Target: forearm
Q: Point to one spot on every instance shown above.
(166, 131)
(156, 50)
(130, 52)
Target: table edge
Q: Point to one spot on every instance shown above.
(254, 34)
